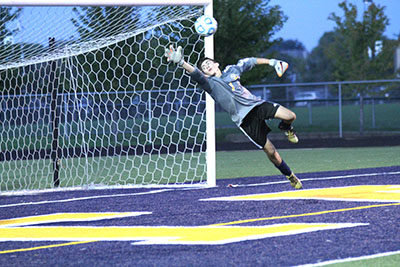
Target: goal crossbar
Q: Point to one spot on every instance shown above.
(103, 2)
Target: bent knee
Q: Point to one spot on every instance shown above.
(285, 114)
(293, 115)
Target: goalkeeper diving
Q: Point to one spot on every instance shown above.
(246, 110)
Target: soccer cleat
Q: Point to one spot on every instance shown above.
(294, 181)
(291, 136)
(281, 67)
(289, 132)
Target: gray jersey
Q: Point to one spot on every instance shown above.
(227, 90)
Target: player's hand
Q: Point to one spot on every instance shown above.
(174, 55)
(279, 65)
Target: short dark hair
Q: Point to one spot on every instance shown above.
(202, 60)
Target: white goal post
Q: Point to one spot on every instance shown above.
(88, 100)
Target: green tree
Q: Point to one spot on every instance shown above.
(137, 59)
(349, 53)
(246, 28)
(95, 22)
(103, 65)
(7, 15)
(319, 66)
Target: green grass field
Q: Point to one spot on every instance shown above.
(107, 171)
(37, 174)
(382, 261)
(255, 163)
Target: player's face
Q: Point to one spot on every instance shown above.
(209, 67)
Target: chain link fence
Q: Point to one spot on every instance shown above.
(338, 108)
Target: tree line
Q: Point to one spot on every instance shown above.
(353, 50)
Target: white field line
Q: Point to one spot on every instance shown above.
(98, 187)
(173, 189)
(351, 259)
(323, 178)
(84, 198)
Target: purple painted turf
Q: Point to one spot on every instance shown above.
(182, 208)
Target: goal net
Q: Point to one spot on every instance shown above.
(88, 99)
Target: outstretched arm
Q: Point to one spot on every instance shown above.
(279, 65)
(176, 56)
(261, 61)
(189, 68)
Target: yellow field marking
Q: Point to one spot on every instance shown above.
(211, 234)
(370, 193)
(44, 247)
(306, 214)
(67, 217)
(62, 217)
(198, 235)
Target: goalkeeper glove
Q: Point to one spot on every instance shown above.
(174, 55)
(279, 65)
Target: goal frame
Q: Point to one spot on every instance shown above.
(208, 48)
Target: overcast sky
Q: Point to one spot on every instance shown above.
(308, 19)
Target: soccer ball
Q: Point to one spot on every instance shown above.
(205, 25)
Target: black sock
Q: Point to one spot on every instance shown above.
(284, 168)
(284, 126)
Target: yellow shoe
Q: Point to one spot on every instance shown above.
(291, 136)
(294, 181)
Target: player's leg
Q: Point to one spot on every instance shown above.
(281, 165)
(287, 117)
(256, 129)
(285, 114)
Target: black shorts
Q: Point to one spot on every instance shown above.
(254, 124)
